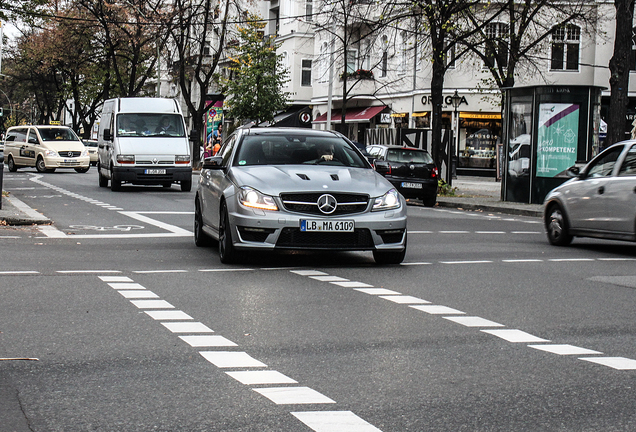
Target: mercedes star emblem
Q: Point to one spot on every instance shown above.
(70, 154)
(327, 204)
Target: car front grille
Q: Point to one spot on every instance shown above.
(68, 153)
(307, 203)
(293, 238)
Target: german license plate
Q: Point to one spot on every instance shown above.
(327, 225)
(155, 171)
(408, 185)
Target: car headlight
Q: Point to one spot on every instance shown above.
(388, 201)
(252, 198)
(51, 153)
(85, 152)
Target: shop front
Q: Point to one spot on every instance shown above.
(357, 120)
(479, 134)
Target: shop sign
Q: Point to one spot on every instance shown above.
(557, 138)
(385, 118)
(428, 100)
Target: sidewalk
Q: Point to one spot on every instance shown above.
(473, 193)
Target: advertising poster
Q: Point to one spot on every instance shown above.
(558, 136)
(213, 118)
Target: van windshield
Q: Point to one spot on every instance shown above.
(57, 134)
(150, 125)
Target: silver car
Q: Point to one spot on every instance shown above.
(599, 202)
(276, 188)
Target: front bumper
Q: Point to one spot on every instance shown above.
(141, 175)
(268, 230)
(62, 162)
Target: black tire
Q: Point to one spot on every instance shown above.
(82, 170)
(186, 185)
(103, 181)
(389, 257)
(429, 201)
(40, 165)
(115, 182)
(201, 239)
(556, 225)
(11, 165)
(227, 251)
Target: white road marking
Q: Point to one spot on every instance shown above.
(152, 304)
(437, 310)
(334, 421)
(521, 260)
(87, 271)
(404, 299)
(328, 278)
(10, 237)
(159, 271)
(415, 263)
(261, 377)
(169, 315)
(207, 341)
(472, 321)
(352, 284)
(466, 262)
(226, 270)
(526, 232)
(231, 359)
(564, 349)
(454, 232)
(490, 232)
(620, 363)
(515, 336)
(294, 395)
(309, 273)
(377, 291)
(134, 294)
(19, 272)
(126, 285)
(187, 327)
(616, 259)
(419, 232)
(115, 279)
(571, 259)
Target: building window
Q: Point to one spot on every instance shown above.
(404, 53)
(384, 62)
(566, 41)
(305, 73)
(496, 52)
(352, 61)
(309, 10)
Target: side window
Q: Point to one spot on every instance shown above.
(226, 150)
(629, 164)
(21, 134)
(604, 165)
(11, 136)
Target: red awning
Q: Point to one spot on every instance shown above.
(360, 114)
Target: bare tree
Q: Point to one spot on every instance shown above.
(619, 70)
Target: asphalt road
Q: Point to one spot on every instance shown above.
(130, 327)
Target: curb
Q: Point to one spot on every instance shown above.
(15, 212)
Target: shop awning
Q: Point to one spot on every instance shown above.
(353, 115)
(421, 114)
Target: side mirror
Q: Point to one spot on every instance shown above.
(107, 136)
(214, 162)
(573, 171)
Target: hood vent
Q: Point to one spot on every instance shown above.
(302, 176)
(334, 177)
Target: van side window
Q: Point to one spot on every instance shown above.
(33, 138)
(20, 134)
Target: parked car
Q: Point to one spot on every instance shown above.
(91, 146)
(277, 188)
(600, 201)
(412, 171)
(46, 148)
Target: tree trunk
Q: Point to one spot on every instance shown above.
(437, 101)
(619, 71)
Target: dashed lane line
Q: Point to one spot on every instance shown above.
(484, 325)
(198, 335)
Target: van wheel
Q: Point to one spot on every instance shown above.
(11, 165)
(186, 185)
(103, 181)
(115, 182)
(82, 170)
(40, 165)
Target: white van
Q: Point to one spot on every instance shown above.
(46, 148)
(143, 141)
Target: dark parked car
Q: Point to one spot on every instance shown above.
(600, 201)
(412, 171)
(282, 188)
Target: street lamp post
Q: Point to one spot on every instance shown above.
(456, 99)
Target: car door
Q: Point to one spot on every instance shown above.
(214, 183)
(620, 194)
(585, 199)
(31, 148)
(19, 146)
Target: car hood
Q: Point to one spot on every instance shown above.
(59, 145)
(274, 180)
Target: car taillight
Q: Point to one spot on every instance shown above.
(388, 166)
(434, 172)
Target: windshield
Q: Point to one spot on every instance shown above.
(155, 125)
(297, 149)
(57, 134)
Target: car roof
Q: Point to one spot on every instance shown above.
(290, 130)
(397, 147)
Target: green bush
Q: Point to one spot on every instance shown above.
(444, 189)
